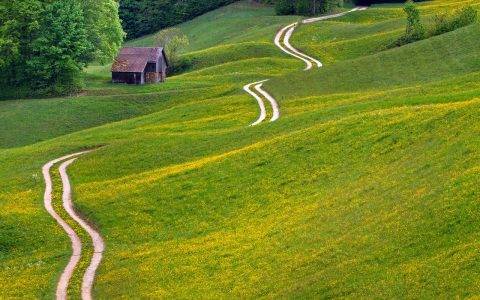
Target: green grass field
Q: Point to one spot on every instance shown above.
(367, 186)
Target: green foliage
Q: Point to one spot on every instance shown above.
(367, 187)
(142, 17)
(326, 6)
(306, 7)
(173, 40)
(105, 31)
(415, 30)
(60, 50)
(446, 22)
(19, 25)
(285, 7)
(303, 7)
(46, 44)
(443, 23)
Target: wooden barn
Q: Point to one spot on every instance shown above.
(140, 65)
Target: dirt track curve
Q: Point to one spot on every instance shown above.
(98, 244)
(282, 41)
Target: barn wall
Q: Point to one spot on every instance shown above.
(151, 67)
(152, 77)
(130, 78)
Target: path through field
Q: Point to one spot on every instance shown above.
(98, 244)
(282, 41)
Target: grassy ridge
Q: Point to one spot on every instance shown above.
(367, 185)
(449, 55)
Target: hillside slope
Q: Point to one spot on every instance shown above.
(366, 187)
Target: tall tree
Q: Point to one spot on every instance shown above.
(44, 44)
(104, 29)
(19, 24)
(61, 49)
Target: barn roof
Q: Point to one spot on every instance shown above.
(135, 59)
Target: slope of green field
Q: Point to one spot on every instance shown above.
(366, 187)
(23, 122)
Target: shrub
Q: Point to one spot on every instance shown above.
(415, 30)
(173, 40)
(445, 22)
(327, 6)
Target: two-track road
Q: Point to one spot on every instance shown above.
(97, 241)
(282, 41)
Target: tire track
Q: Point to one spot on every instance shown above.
(278, 42)
(310, 60)
(282, 41)
(273, 102)
(98, 244)
(323, 18)
(76, 243)
(261, 104)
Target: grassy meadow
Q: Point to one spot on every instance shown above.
(367, 186)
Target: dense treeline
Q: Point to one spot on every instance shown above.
(304, 7)
(45, 44)
(142, 17)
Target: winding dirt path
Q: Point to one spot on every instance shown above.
(310, 60)
(273, 102)
(278, 42)
(323, 18)
(287, 33)
(261, 104)
(282, 41)
(99, 246)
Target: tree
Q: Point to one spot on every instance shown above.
(327, 6)
(105, 31)
(303, 7)
(415, 30)
(61, 49)
(19, 23)
(173, 40)
(45, 44)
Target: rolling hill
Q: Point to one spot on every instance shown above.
(367, 186)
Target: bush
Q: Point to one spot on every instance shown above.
(173, 40)
(415, 30)
(285, 7)
(327, 6)
(443, 23)
(448, 22)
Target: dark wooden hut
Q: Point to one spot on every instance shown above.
(140, 65)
